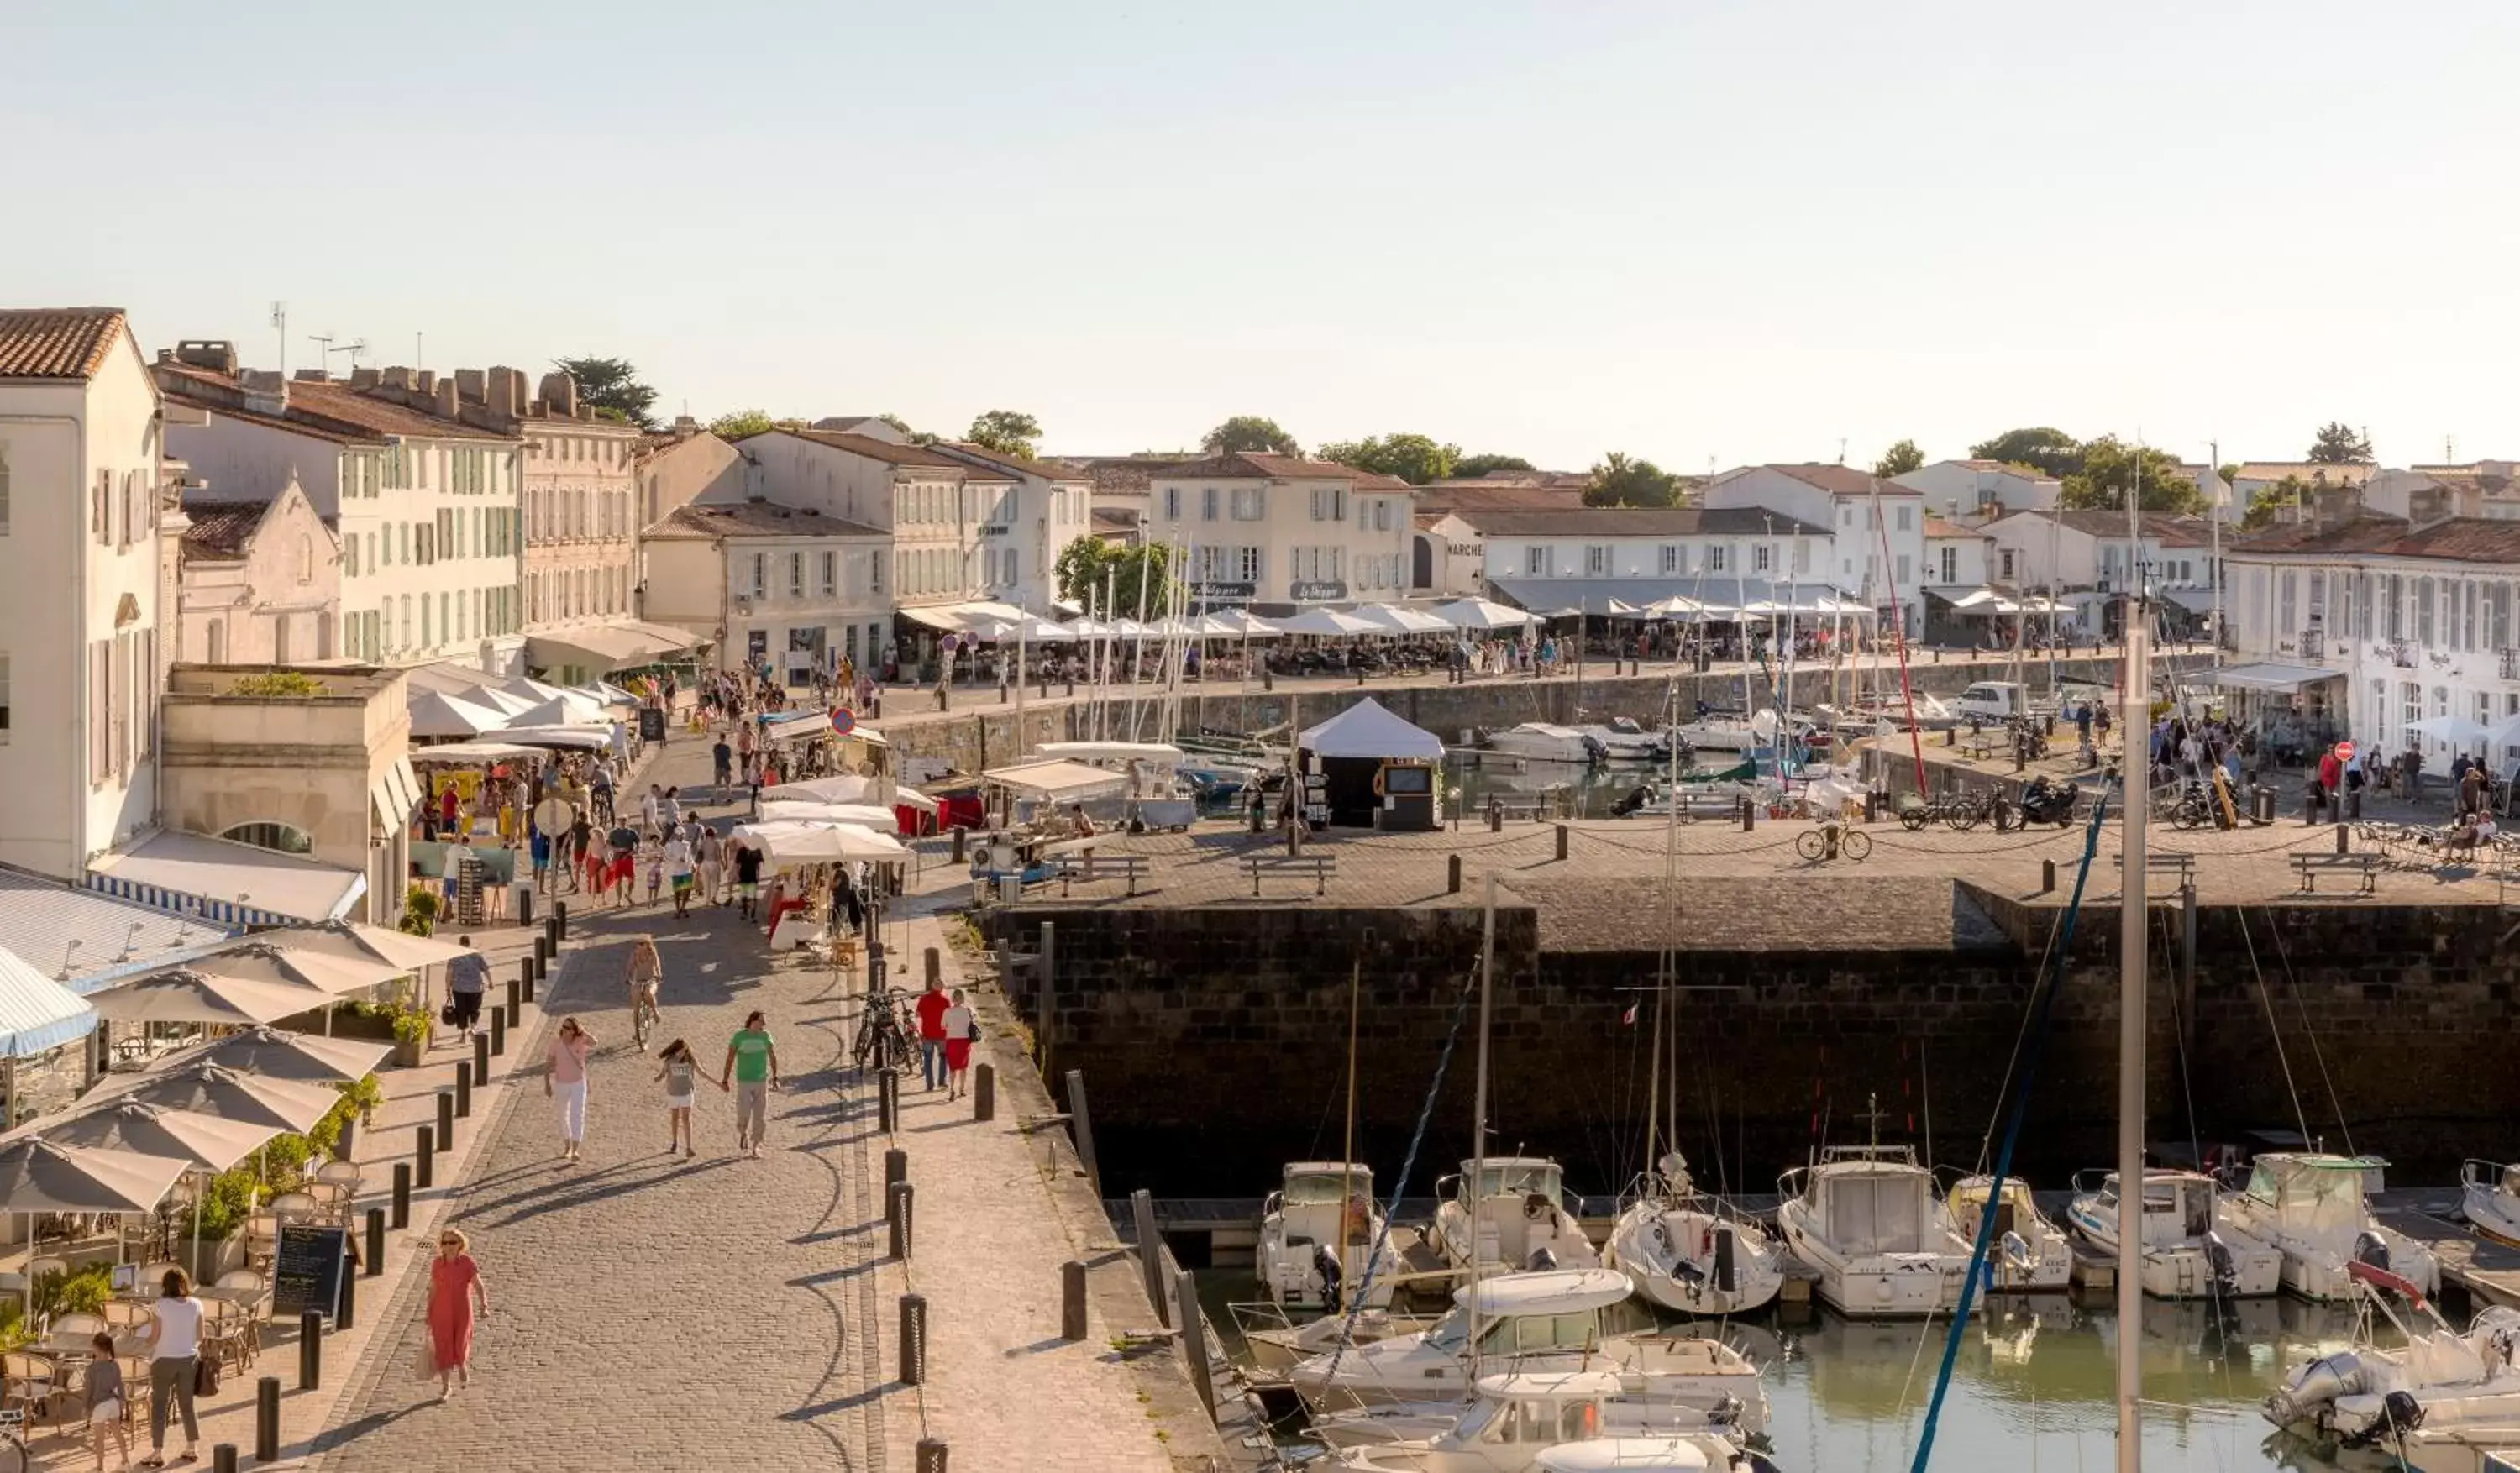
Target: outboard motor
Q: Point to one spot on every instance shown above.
(2399, 1414)
(1327, 1265)
(2224, 1268)
(1541, 1259)
(2016, 1252)
(1634, 799)
(2371, 1250)
(2317, 1387)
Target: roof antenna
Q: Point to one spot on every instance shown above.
(280, 320)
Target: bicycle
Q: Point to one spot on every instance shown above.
(643, 1015)
(887, 1037)
(12, 1441)
(1834, 840)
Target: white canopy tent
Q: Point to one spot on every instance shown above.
(789, 842)
(1246, 624)
(866, 815)
(469, 753)
(566, 709)
(1058, 781)
(1369, 728)
(435, 713)
(1480, 613)
(1397, 619)
(1329, 621)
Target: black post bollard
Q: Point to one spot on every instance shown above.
(1748, 820)
(266, 1420)
(1071, 1300)
(526, 975)
(984, 1091)
(2342, 834)
(2046, 877)
(525, 905)
(888, 1101)
(464, 1087)
(1452, 876)
(1562, 841)
(897, 1218)
(542, 948)
(930, 1454)
(513, 1012)
(914, 1339)
(960, 839)
(559, 913)
(498, 1029)
(2353, 803)
(932, 970)
(446, 1111)
(896, 1170)
(551, 931)
(402, 1193)
(374, 1264)
(345, 1314)
(310, 1350)
(1496, 817)
(481, 1056)
(424, 1159)
(223, 1458)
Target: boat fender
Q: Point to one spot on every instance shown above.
(2226, 1268)
(2016, 1252)
(1327, 1265)
(1541, 1259)
(2371, 1248)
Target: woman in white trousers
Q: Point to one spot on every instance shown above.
(567, 1083)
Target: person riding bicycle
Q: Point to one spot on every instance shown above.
(647, 972)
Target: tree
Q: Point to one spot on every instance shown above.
(610, 386)
(1007, 431)
(1087, 564)
(1899, 460)
(2338, 443)
(2270, 501)
(1414, 458)
(741, 423)
(1618, 481)
(2042, 448)
(1472, 467)
(2110, 467)
(1246, 432)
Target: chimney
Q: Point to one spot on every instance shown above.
(558, 394)
(685, 426)
(426, 380)
(397, 377)
(363, 378)
(216, 354)
(450, 405)
(267, 392)
(507, 391)
(473, 385)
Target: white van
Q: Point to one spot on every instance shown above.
(1993, 701)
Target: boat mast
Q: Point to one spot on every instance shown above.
(2135, 769)
(1347, 1146)
(1479, 1112)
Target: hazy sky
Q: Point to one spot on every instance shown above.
(1693, 231)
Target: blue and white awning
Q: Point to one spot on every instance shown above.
(39, 1014)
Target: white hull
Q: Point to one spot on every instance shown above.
(2492, 1208)
(1295, 1281)
(2315, 1267)
(1553, 744)
(1515, 1239)
(1719, 1455)
(2181, 1271)
(1875, 1286)
(1653, 1238)
(2454, 1381)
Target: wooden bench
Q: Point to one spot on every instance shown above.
(1984, 743)
(1319, 866)
(1523, 807)
(2171, 862)
(1693, 806)
(2364, 866)
(1090, 868)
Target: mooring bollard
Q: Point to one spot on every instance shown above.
(896, 1168)
(914, 1339)
(888, 1101)
(1141, 1208)
(373, 1262)
(899, 1220)
(424, 1159)
(480, 1055)
(464, 1087)
(932, 966)
(1194, 1339)
(223, 1458)
(446, 1112)
(931, 1452)
(402, 1193)
(346, 1311)
(310, 1350)
(1562, 841)
(498, 1029)
(560, 915)
(266, 1420)
(1452, 876)
(2046, 877)
(1071, 1300)
(984, 1091)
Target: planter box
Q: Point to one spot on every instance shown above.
(409, 1053)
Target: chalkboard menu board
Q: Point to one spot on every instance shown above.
(307, 1274)
(651, 724)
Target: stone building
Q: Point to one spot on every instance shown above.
(260, 581)
(581, 530)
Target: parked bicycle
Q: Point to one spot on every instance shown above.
(1833, 839)
(887, 1035)
(1958, 811)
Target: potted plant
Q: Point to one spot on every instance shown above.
(411, 1030)
(419, 907)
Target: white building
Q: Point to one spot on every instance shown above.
(934, 506)
(1588, 557)
(1878, 527)
(1276, 532)
(2090, 562)
(425, 501)
(783, 586)
(260, 582)
(685, 466)
(80, 569)
(582, 522)
(2387, 621)
(1974, 491)
(1050, 505)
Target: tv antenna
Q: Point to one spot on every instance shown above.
(325, 340)
(280, 320)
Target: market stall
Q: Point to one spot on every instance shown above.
(1366, 767)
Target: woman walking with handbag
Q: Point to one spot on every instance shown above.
(174, 1336)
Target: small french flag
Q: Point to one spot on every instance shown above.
(1628, 1019)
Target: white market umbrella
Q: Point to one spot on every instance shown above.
(794, 843)
(353, 940)
(185, 996)
(435, 713)
(566, 709)
(1245, 623)
(278, 1053)
(842, 788)
(1328, 621)
(1480, 613)
(212, 1145)
(1399, 620)
(508, 701)
(530, 690)
(1028, 629)
(2454, 730)
(865, 813)
(36, 1175)
(604, 693)
(253, 1098)
(268, 960)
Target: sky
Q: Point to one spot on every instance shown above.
(1701, 232)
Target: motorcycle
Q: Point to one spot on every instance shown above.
(2049, 801)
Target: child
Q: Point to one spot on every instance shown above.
(651, 862)
(677, 1069)
(105, 1398)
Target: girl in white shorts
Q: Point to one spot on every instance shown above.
(677, 1071)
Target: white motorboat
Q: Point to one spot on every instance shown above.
(2491, 1197)
(1321, 1204)
(1278, 1344)
(2187, 1253)
(1528, 1322)
(2439, 1380)
(1526, 1421)
(1521, 1219)
(1688, 1252)
(1866, 1218)
(2027, 1254)
(1541, 741)
(1739, 734)
(1623, 739)
(1158, 795)
(2310, 1206)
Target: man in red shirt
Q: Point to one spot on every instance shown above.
(2331, 776)
(931, 1032)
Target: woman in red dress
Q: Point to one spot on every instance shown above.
(455, 1297)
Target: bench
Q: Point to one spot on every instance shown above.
(1319, 866)
(2366, 866)
(1089, 867)
(1524, 807)
(1693, 806)
(2166, 862)
(1984, 743)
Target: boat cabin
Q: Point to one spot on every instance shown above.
(2311, 1192)
(2014, 1211)
(1535, 1407)
(1314, 1195)
(1872, 1199)
(1529, 1313)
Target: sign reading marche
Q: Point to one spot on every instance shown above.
(308, 1274)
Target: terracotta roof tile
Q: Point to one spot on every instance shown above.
(890, 453)
(1641, 521)
(2460, 538)
(220, 529)
(1465, 496)
(57, 342)
(1048, 468)
(1842, 480)
(752, 519)
(1936, 526)
(327, 409)
(1253, 464)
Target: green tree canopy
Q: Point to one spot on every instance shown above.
(1619, 481)
(2338, 443)
(1084, 565)
(2110, 467)
(611, 387)
(1247, 432)
(1472, 467)
(741, 423)
(2269, 502)
(1899, 460)
(1007, 431)
(2043, 448)
(1414, 458)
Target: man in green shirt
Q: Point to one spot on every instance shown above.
(752, 1062)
